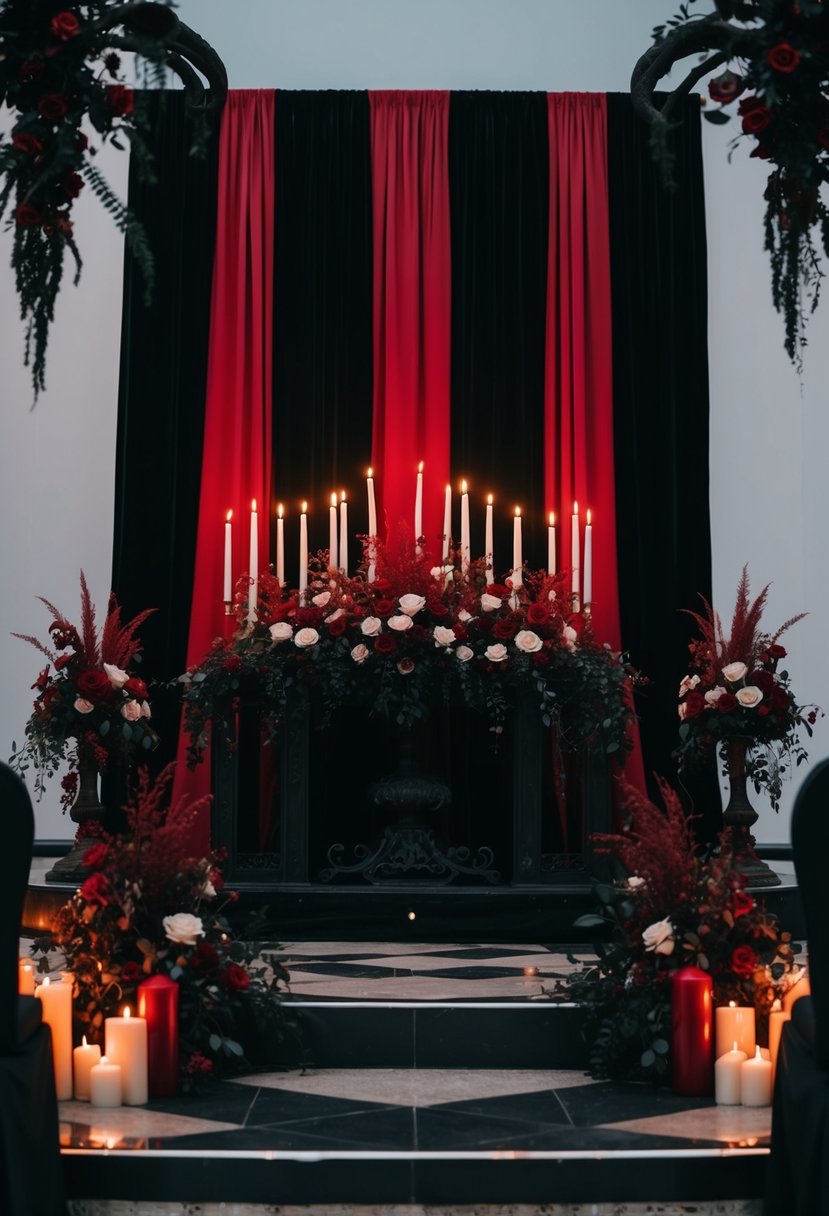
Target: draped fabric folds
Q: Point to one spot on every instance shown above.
(412, 301)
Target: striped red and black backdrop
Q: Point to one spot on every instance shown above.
(494, 283)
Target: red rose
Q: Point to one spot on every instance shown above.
(743, 960)
(27, 216)
(780, 699)
(763, 680)
(777, 652)
(338, 626)
(727, 703)
(752, 102)
(725, 87)
(94, 685)
(205, 958)
(236, 979)
(136, 688)
(120, 99)
(130, 972)
(52, 106)
(756, 120)
(504, 629)
(783, 57)
(385, 644)
(72, 185)
(65, 25)
(537, 614)
(384, 607)
(437, 608)
(498, 590)
(741, 903)
(95, 857)
(694, 704)
(96, 890)
(24, 141)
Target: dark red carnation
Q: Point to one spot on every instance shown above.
(120, 99)
(338, 626)
(385, 644)
(64, 26)
(783, 58)
(235, 978)
(136, 688)
(95, 858)
(741, 903)
(743, 960)
(94, 685)
(52, 106)
(727, 703)
(131, 972)
(96, 890)
(725, 87)
(24, 141)
(27, 216)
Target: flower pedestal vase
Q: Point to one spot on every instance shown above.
(739, 817)
(87, 812)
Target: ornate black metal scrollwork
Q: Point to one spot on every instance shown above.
(410, 851)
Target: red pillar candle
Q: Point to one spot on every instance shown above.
(158, 1003)
(692, 1042)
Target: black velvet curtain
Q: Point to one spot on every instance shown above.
(161, 398)
(660, 402)
(499, 190)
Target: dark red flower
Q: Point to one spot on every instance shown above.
(136, 688)
(540, 659)
(24, 141)
(42, 680)
(437, 608)
(780, 699)
(27, 216)
(72, 185)
(725, 87)
(743, 960)
(385, 644)
(727, 703)
(96, 890)
(694, 704)
(777, 652)
(384, 607)
(740, 903)
(236, 979)
(460, 631)
(52, 106)
(94, 685)
(752, 102)
(205, 958)
(338, 626)
(498, 590)
(504, 628)
(233, 663)
(95, 857)
(120, 99)
(537, 614)
(130, 972)
(764, 680)
(63, 661)
(783, 57)
(757, 119)
(64, 25)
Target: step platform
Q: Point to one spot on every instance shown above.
(435, 1073)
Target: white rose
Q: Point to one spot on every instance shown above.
(713, 695)
(115, 675)
(551, 595)
(634, 883)
(371, 626)
(322, 599)
(400, 623)
(734, 672)
(208, 891)
(463, 615)
(749, 697)
(437, 571)
(490, 603)
(145, 709)
(412, 604)
(281, 631)
(131, 711)
(183, 928)
(464, 653)
(333, 616)
(306, 637)
(443, 574)
(496, 653)
(659, 937)
(83, 706)
(443, 636)
(687, 683)
(359, 653)
(570, 637)
(528, 641)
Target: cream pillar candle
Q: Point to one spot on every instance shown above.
(575, 550)
(735, 1024)
(587, 594)
(488, 542)
(105, 1084)
(280, 545)
(447, 521)
(517, 551)
(227, 594)
(333, 543)
(418, 514)
(253, 562)
(343, 534)
(465, 546)
(303, 551)
(777, 1019)
(551, 543)
(84, 1059)
(755, 1081)
(126, 1045)
(56, 1000)
(25, 977)
(728, 1077)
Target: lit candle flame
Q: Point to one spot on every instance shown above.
(489, 500)
(229, 516)
(342, 495)
(280, 510)
(575, 508)
(517, 512)
(463, 487)
(304, 507)
(552, 518)
(126, 1011)
(370, 473)
(420, 467)
(589, 513)
(253, 504)
(333, 499)
(85, 1044)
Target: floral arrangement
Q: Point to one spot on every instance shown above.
(150, 907)
(56, 75)
(736, 690)
(415, 636)
(672, 910)
(88, 708)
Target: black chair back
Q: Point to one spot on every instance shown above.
(810, 848)
(18, 829)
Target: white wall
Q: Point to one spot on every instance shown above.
(768, 494)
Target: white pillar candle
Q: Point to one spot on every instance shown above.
(84, 1059)
(800, 987)
(777, 1019)
(517, 551)
(447, 521)
(372, 527)
(105, 1084)
(488, 542)
(25, 977)
(727, 1077)
(228, 571)
(464, 526)
(343, 534)
(280, 545)
(574, 554)
(56, 1000)
(333, 543)
(303, 550)
(588, 559)
(735, 1024)
(126, 1045)
(418, 514)
(755, 1081)
(551, 543)
(253, 563)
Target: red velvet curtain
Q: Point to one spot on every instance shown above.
(411, 303)
(578, 407)
(236, 465)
